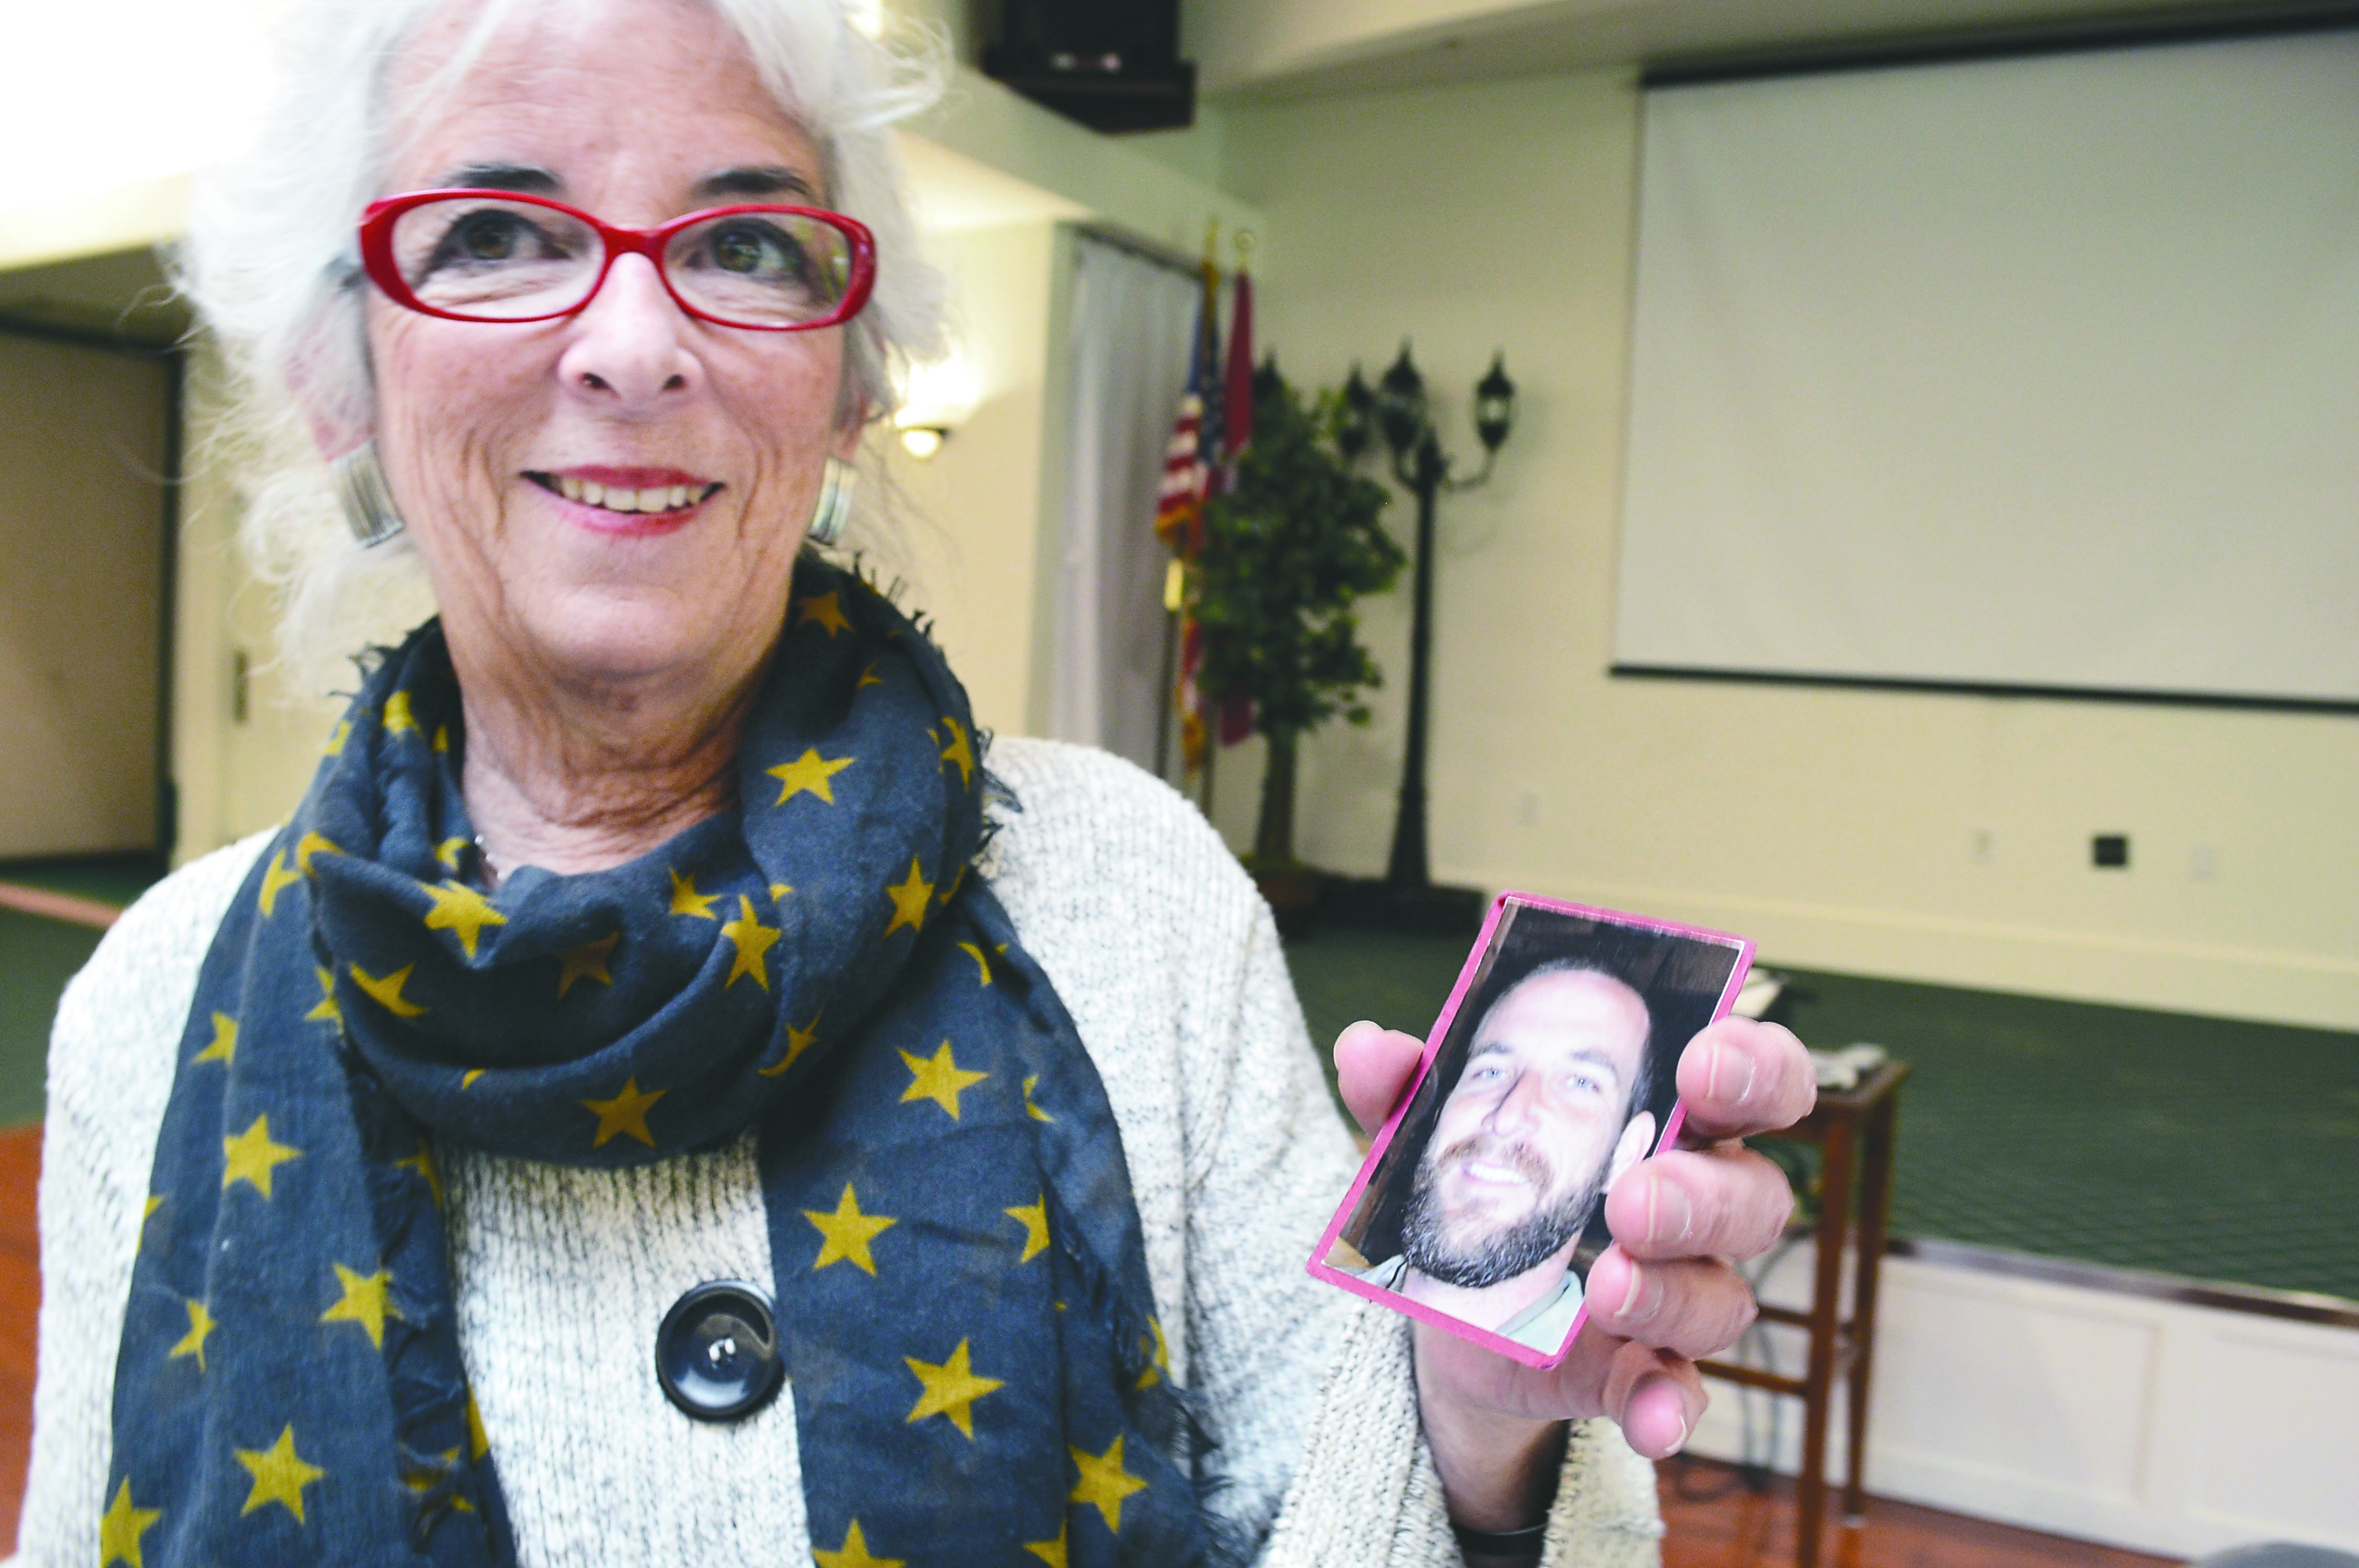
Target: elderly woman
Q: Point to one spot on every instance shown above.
(660, 1101)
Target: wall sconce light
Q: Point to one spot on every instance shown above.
(922, 441)
(936, 398)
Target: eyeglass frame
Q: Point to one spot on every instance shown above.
(377, 257)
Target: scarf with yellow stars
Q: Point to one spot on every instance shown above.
(962, 1299)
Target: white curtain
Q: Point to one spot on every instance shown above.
(1129, 337)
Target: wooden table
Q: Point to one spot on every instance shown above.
(1854, 1128)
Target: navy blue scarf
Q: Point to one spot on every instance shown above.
(963, 1307)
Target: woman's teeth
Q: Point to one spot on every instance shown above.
(662, 498)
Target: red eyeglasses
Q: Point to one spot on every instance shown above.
(493, 255)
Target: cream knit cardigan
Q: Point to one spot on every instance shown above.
(1170, 967)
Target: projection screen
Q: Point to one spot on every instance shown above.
(2034, 373)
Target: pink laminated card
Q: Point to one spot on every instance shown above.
(1552, 1070)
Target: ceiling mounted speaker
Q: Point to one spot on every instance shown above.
(1114, 65)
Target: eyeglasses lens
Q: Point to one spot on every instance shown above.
(497, 261)
(761, 269)
(505, 261)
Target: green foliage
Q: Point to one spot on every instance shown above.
(1285, 552)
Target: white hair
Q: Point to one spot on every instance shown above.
(271, 264)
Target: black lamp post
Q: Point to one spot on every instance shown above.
(1397, 407)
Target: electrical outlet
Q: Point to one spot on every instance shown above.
(2110, 852)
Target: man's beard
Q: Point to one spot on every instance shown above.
(1505, 1254)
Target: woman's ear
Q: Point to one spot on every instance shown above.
(1638, 1137)
(340, 422)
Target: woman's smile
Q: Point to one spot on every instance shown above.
(631, 502)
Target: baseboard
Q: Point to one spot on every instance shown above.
(2119, 1417)
(2312, 989)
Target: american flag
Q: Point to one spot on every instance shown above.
(1190, 465)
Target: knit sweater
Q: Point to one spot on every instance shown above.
(1170, 967)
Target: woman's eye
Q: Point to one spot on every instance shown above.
(756, 249)
(488, 236)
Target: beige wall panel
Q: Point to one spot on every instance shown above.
(81, 552)
(1838, 828)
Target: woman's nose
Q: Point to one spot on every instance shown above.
(630, 343)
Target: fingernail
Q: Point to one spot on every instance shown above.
(1681, 1440)
(1669, 1214)
(1731, 1078)
(1643, 1297)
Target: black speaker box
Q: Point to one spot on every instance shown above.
(1114, 65)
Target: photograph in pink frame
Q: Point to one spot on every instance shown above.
(1552, 1070)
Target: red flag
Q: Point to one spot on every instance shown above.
(1189, 465)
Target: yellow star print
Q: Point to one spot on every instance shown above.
(808, 774)
(587, 962)
(752, 939)
(847, 1232)
(398, 718)
(467, 1079)
(778, 891)
(326, 1010)
(442, 736)
(364, 1302)
(423, 1164)
(686, 900)
(308, 845)
(1034, 1217)
(448, 853)
(1105, 1483)
(386, 990)
(909, 901)
(981, 964)
(251, 1156)
(959, 751)
(1034, 1111)
(200, 1323)
(338, 736)
(461, 910)
(626, 1112)
(823, 609)
(940, 1079)
(869, 676)
(949, 1390)
(224, 1043)
(479, 1442)
(1159, 1356)
(279, 1475)
(1052, 1552)
(275, 878)
(798, 1042)
(155, 1202)
(120, 1527)
(853, 1554)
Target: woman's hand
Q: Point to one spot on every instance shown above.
(1661, 1297)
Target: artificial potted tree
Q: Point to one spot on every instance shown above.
(1287, 548)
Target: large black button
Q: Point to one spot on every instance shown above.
(717, 1352)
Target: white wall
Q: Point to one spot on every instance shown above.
(1835, 826)
(81, 557)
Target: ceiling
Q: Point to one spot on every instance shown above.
(1278, 50)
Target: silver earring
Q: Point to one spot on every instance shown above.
(835, 508)
(365, 496)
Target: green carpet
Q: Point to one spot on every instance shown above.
(36, 958)
(2197, 1147)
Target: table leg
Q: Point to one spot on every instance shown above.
(1875, 1209)
(1826, 1315)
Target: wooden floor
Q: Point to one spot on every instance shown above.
(1713, 1520)
(20, 1306)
